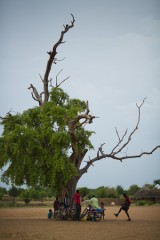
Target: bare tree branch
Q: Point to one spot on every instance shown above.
(73, 125)
(8, 114)
(36, 96)
(99, 157)
(52, 59)
(120, 140)
(115, 154)
(131, 134)
(41, 78)
(52, 55)
(57, 85)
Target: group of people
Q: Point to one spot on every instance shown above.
(93, 202)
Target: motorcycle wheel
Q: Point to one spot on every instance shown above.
(98, 217)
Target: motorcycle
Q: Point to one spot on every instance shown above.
(92, 214)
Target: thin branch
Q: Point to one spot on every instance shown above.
(36, 96)
(8, 114)
(117, 134)
(57, 85)
(62, 81)
(120, 140)
(131, 134)
(41, 78)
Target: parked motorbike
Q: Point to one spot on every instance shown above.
(92, 214)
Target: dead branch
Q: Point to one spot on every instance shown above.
(41, 78)
(52, 59)
(8, 114)
(73, 125)
(102, 156)
(57, 85)
(114, 154)
(131, 134)
(120, 139)
(36, 96)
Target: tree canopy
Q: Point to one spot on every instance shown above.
(36, 144)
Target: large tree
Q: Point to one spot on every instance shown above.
(46, 145)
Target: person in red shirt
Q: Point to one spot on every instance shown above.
(77, 202)
(125, 206)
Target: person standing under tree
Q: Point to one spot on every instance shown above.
(56, 204)
(77, 202)
(66, 201)
(125, 206)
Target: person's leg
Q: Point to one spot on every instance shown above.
(126, 211)
(103, 214)
(116, 214)
(78, 211)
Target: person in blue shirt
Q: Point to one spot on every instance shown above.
(50, 214)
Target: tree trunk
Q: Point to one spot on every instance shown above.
(70, 189)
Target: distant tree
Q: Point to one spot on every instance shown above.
(46, 145)
(26, 196)
(119, 190)
(133, 189)
(157, 181)
(111, 193)
(3, 191)
(101, 192)
(14, 191)
(84, 191)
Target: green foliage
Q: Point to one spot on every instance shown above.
(140, 203)
(156, 181)
(111, 193)
(84, 191)
(26, 196)
(119, 190)
(101, 192)
(37, 193)
(3, 191)
(35, 144)
(133, 189)
(14, 191)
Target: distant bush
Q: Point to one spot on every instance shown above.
(140, 203)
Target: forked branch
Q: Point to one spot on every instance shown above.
(52, 59)
(117, 150)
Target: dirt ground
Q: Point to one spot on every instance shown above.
(32, 223)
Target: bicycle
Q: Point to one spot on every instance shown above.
(63, 213)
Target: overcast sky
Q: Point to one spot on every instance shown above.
(112, 56)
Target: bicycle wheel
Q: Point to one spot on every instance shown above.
(58, 215)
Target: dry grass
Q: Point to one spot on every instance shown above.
(32, 223)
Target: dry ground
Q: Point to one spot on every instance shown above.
(32, 223)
